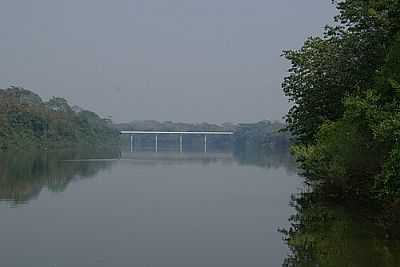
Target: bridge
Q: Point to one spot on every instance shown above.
(181, 134)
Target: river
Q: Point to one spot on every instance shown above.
(146, 209)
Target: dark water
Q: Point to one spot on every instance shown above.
(171, 209)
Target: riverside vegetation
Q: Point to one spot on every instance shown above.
(26, 121)
(345, 90)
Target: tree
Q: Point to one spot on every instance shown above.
(25, 121)
(345, 91)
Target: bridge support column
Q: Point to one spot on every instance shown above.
(180, 144)
(205, 143)
(131, 143)
(156, 143)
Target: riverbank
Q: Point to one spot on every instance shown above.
(28, 122)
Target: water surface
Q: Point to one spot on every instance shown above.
(144, 209)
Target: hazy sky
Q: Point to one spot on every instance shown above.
(181, 60)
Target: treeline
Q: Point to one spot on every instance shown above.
(345, 89)
(261, 137)
(171, 142)
(264, 144)
(27, 121)
(169, 126)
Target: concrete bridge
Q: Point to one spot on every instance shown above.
(181, 134)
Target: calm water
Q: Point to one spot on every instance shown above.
(171, 209)
(144, 209)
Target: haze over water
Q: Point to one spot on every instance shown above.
(147, 209)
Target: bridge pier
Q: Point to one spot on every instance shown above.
(205, 143)
(131, 143)
(156, 143)
(180, 144)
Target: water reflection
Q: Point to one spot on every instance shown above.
(271, 158)
(177, 158)
(143, 209)
(23, 175)
(322, 234)
(319, 234)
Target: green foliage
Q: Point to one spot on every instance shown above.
(349, 152)
(263, 143)
(260, 136)
(27, 121)
(388, 78)
(324, 71)
(345, 89)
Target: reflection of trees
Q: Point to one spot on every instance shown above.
(267, 157)
(173, 158)
(24, 175)
(323, 235)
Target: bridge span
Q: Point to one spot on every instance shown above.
(180, 133)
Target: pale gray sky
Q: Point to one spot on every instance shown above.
(181, 60)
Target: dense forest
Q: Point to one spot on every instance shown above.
(345, 90)
(29, 122)
(345, 117)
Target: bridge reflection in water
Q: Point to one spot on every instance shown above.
(176, 157)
